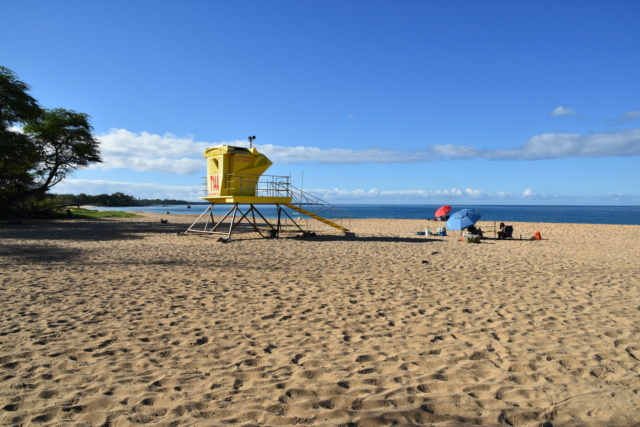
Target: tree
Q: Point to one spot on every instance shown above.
(18, 154)
(53, 144)
(18, 157)
(65, 142)
(16, 105)
(121, 199)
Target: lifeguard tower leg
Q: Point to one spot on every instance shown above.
(244, 216)
(208, 210)
(281, 210)
(210, 217)
(265, 220)
(215, 227)
(233, 220)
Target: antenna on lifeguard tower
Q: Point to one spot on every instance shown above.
(251, 138)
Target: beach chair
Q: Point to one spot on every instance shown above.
(507, 233)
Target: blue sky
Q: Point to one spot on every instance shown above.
(435, 102)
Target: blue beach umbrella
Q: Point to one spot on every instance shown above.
(463, 219)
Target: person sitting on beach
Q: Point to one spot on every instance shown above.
(473, 230)
(501, 232)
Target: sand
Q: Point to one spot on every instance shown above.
(125, 322)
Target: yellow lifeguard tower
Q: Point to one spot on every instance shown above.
(233, 174)
(235, 177)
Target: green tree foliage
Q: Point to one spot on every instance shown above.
(18, 157)
(18, 154)
(115, 199)
(16, 105)
(65, 142)
(53, 144)
(121, 199)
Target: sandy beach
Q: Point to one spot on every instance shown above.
(126, 322)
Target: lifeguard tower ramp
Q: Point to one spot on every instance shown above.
(235, 177)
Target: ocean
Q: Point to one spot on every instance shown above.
(629, 215)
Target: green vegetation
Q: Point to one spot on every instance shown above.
(115, 199)
(91, 214)
(51, 144)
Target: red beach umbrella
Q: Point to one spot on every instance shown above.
(442, 211)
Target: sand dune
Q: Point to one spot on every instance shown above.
(124, 322)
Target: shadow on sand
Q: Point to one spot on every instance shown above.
(35, 239)
(88, 230)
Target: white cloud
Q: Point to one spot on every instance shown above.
(299, 154)
(338, 195)
(556, 146)
(193, 192)
(152, 153)
(170, 154)
(451, 196)
(455, 151)
(137, 189)
(632, 115)
(624, 118)
(562, 111)
(544, 146)
(406, 195)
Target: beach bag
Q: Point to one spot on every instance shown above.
(470, 238)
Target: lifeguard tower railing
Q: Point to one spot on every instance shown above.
(280, 186)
